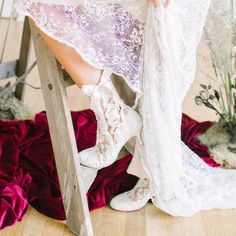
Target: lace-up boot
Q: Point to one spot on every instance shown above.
(116, 123)
(134, 199)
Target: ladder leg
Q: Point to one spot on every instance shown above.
(63, 139)
(23, 59)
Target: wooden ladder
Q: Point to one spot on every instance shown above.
(54, 82)
(18, 67)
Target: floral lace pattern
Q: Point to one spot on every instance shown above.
(182, 183)
(140, 191)
(109, 110)
(117, 46)
(109, 123)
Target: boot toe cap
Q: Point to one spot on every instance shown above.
(86, 157)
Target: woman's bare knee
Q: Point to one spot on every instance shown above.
(79, 70)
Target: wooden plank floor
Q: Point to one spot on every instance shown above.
(148, 221)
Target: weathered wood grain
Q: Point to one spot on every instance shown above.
(63, 138)
(23, 58)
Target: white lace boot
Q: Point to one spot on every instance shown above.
(116, 123)
(134, 199)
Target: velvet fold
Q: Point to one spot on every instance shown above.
(28, 173)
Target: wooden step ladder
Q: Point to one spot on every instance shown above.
(18, 67)
(54, 83)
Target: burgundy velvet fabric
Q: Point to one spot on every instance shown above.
(28, 173)
(189, 130)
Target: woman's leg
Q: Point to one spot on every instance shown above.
(84, 74)
(116, 121)
(79, 70)
(139, 195)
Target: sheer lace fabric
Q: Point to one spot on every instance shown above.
(105, 35)
(154, 50)
(140, 191)
(189, 185)
(107, 108)
(108, 125)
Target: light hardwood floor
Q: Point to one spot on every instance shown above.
(148, 221)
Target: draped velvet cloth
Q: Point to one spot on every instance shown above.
(28, 173)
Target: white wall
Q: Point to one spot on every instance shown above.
(7, 7)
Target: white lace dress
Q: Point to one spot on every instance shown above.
(154, 50)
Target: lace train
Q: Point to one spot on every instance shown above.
(189, 185)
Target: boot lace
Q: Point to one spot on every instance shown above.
(109, 120)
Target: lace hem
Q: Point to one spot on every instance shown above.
(121, 53)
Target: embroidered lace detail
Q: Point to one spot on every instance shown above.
(110, 112)
(140, 191)
(116, 46)
(182, 183)
(109, 124)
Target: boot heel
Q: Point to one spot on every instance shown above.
(139, 138)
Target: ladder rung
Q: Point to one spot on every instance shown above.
(7, 69)
(68, 80)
